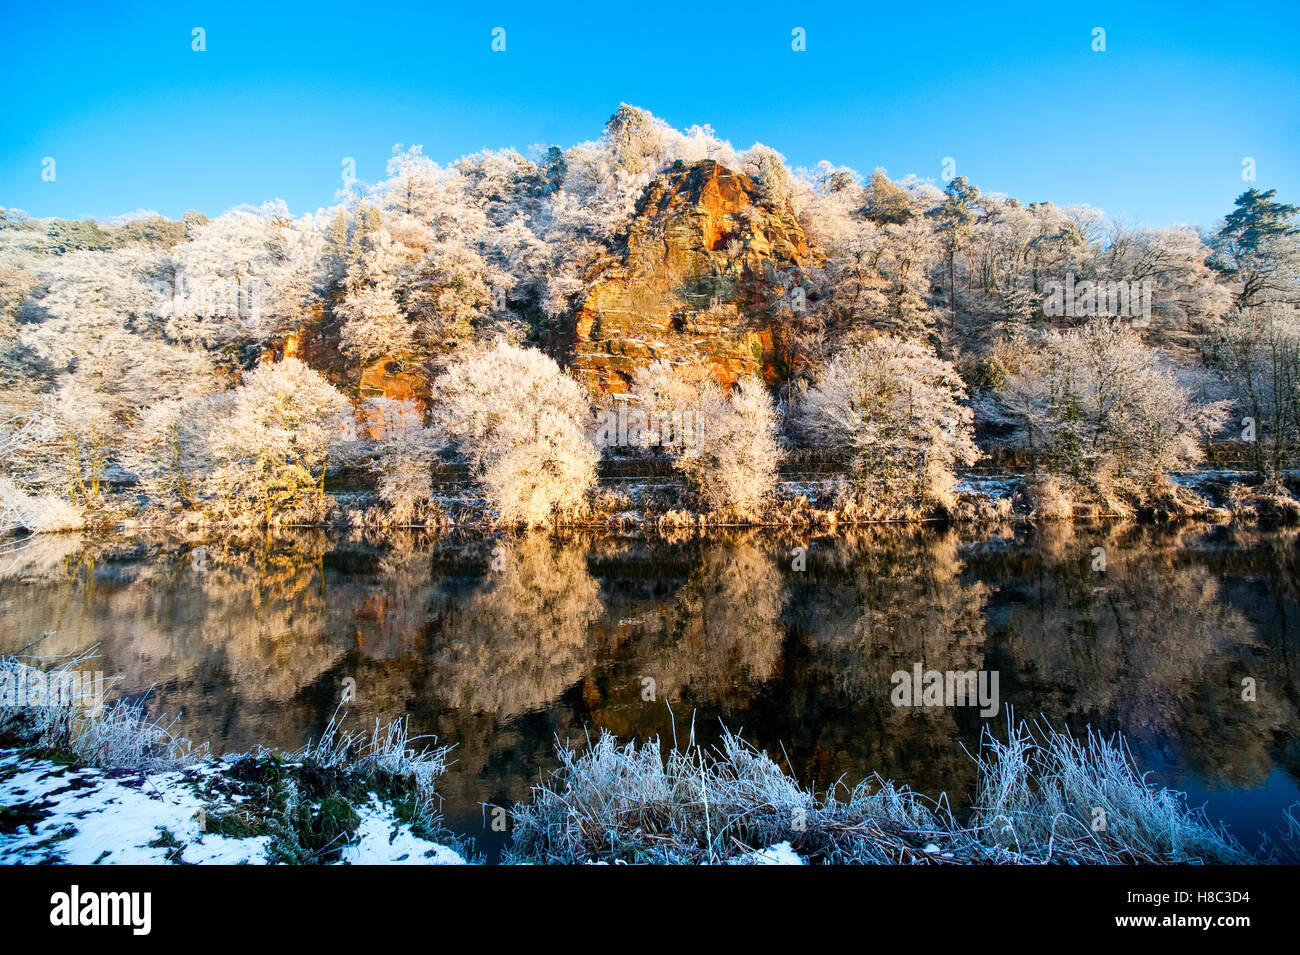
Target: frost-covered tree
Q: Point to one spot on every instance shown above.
(75, 437)
(169, 448)
(730, 453)
(1258, 249)
(954, 219)
(668, 387)
(734, 462)
(1185, 297)
(449, 291)
(79, 299)
(1104, 411)
(637, 138)
(1259, 353)
(521, 424)
(374, 325)
(415, 184)
(770, 173)
(21, 509)
(886, 203)
(245, 276)
(877, 277)
(900, 411)
(405, 450)
(271, 452)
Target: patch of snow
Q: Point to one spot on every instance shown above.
(780, 854)
(381, 840)
(994, 487)
(88, 816)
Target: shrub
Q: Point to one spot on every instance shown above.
(731, 461)
(406, 451)
(1099, 410)
(37, 513)
(170, 447)
(1260, 357)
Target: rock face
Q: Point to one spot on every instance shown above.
(386, 379)
(316, 342)
(709, 272)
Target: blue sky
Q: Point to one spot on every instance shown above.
(1156, 127)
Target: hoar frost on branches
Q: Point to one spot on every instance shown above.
(271, 452)
(20, 509)
(900, 411)
(405, 452)
(73, 439)
(1259, 352)
(520, 422)
(1102, 411)
(732, 461)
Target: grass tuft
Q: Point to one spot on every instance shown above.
(1035, 803)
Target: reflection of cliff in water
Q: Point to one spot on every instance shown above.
(502, 650)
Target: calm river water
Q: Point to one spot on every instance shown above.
(503, 646)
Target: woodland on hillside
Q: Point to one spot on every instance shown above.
(218, 368)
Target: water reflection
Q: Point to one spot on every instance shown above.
(501, 645)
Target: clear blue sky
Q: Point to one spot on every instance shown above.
(1155, 127)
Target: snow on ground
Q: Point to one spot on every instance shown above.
(52, 813)
(88, 816)
(993, 486)
(383, 841)
(1194, 479)
(780, 854)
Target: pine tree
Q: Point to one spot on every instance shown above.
(1255, 246)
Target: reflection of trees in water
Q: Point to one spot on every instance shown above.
(392, 604)
(891, 598)
(524, 636)
(44, 557)
(252, 645)
(265, 615)
(876, 601)
(1152, 646)
(714, 637)
(220, 633)
(710, 621)
(501, 649)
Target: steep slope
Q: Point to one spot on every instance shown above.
(704, 275)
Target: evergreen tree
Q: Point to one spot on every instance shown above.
(1257, 247)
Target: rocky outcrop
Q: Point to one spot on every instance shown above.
(708, 273)
(316, 342)
(387, 379)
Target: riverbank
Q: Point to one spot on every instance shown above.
(87, 781)
(812, 501)
(84, 786)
